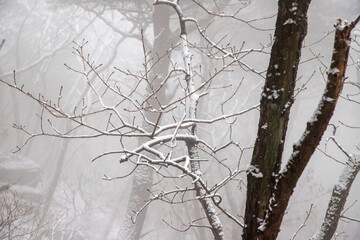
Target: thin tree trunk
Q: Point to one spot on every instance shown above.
(206, 203)
(191, 109)
(191, 102)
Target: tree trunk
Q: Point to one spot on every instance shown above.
(315, 128)
(190, 111)
(276, 101)
(142, 177)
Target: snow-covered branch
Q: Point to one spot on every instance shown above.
(338, 197)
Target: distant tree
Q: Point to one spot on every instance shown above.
(19, 218)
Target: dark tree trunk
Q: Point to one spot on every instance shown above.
(303, 150)
(276, 100)
(269, 190)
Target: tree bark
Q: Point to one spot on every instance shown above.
(305, 147)
(276, 101)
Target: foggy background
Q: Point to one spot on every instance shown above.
(57, 175)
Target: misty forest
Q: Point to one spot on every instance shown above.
(179, 119)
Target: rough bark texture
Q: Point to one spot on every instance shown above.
(305, 147)
(276, 100)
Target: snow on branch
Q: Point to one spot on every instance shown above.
(235, 56)
(147, 146)
(121, 110)
(191, 102)
(338, 197)
(318, 123)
